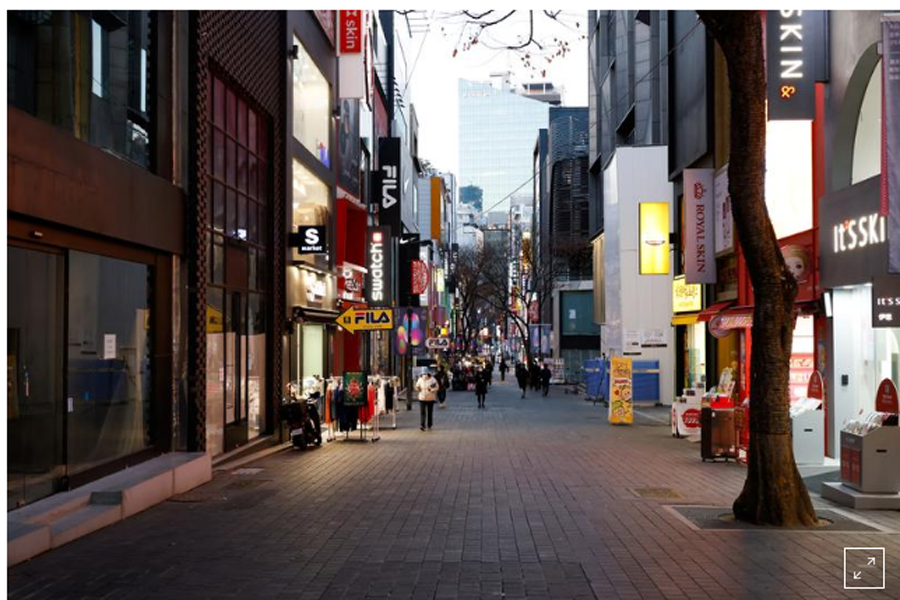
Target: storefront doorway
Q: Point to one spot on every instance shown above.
(79, 367)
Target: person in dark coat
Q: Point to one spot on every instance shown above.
(503, 369)
(481, 386)
(545, 379)
(522, 377)
(443, 383)
(535, 374)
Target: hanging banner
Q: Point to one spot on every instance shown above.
(350, 31)
(349, 148)
(354, 388)
(621, 411)
(890, 135)
(724, 224)
(699, 253)
(419, 277)
(410, 326)
(387, 183)
(793, 43)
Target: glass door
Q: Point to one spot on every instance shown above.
(34, 367)
(235, 370)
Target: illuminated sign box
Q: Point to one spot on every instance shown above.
(654, 238)
(686, 297)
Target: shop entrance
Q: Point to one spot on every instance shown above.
(79, 367)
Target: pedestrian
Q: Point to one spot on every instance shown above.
(481, 385)
(545, 379)
(443, 383)
(490, 372)
(427, 386)
(503, 369)
(522, 377)
(534, 371)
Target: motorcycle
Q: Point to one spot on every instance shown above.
(302, 416)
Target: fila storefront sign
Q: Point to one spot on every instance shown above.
(387, 183)
(795, 52)
(310, 239)
(378, 265)
(699, 216)
(852, 236)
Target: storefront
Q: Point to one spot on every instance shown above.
(690, 335)
(862, 300)
(311, 294)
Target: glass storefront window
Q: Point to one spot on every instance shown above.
(312, 105)
(109, 360)
(695, 348)
(309, 198)
(215, 369)
(313, 350)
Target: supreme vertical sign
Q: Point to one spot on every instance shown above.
(350, 32)
(699, 219)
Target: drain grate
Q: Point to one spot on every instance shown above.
(247, 471)
(721, 518)
(656, 493)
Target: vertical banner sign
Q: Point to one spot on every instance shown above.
(724, 226)
(378, 265)
(791, 46)
(387, 183)
(621, 411)
(350, 31)
(349, 148)
(890, 135)
(699, 254)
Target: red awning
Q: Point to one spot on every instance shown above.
(713, 309)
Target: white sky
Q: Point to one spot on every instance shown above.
(434, 78)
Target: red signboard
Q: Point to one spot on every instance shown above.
(419, 277)
(886, 398)
(350, 32)
(815, 387)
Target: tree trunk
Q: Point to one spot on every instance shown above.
(774, 492)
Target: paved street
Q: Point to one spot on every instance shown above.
(532, 498)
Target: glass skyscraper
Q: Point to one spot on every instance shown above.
(497, 129)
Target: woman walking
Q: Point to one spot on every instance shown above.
(481, 386)
(522, 377)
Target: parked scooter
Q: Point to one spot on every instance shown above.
(302, 416)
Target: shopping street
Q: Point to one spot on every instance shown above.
(537, 498)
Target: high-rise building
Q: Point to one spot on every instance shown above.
(497, 125)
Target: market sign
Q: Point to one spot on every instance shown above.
(378, 265)
(852, 236)
(686, 297)
(794, 44)
(699, 223)
(387, 183)
(309, 239)
(886, 301)
(654, 238)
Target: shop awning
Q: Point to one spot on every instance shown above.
(688, 319)
(737, 318)
(712, 310)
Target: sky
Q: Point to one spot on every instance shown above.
(435, 70)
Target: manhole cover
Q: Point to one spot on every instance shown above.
(657, 493)
(721, 518)
(246, 484)
(247, 471)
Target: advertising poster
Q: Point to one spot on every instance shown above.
(890, 136)
(410, 327)
(621, 411)
(557, 369)
(724, 226)
(349, 147)
(354, 388)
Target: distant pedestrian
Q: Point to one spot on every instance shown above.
(490, 372)
(503, 369)
(427, 386)
(545, 379)
(481, 386)
(534, 372)
(522, 377)
(443, 383)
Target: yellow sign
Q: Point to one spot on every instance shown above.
(654, 238)
(621, 411)
(215, 323)
(686, 297)
(366, 319)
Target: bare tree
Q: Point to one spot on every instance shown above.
(470, 290)
(774, 492)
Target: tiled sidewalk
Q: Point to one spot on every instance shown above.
(532, 498)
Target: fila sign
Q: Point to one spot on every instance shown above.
(387, 183)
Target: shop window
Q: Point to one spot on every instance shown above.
(310, 197)
(109, 360)
(867, 143)
(312, 105)
(86, 72)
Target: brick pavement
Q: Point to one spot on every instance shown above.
(524, 499)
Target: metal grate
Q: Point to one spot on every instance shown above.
(657, 493)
